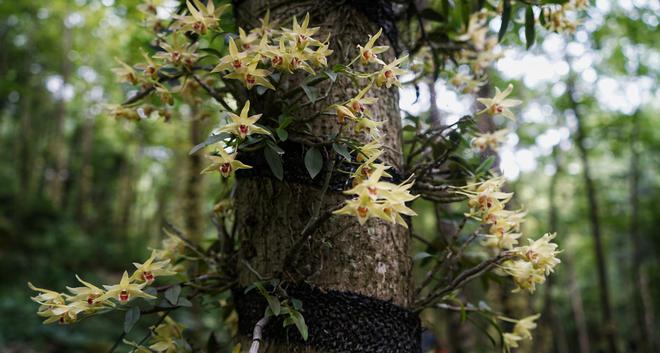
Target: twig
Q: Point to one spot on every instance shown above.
(463, 278)
(212, 92)
(257, 334)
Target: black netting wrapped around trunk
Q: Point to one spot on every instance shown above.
(337, 321)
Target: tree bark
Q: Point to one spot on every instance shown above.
(370, 260)
(608, 327)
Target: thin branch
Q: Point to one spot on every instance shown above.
(212, 92)
(463, 278)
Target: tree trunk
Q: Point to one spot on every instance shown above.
(370, 260)
(609, 330)
(555, 336)
(576, 304)
(644, 331)
(58, 148)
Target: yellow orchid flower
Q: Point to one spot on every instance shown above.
(372, 186)
(358, 103)
(525, 276)
(491, 140)
(125, 73)
(343, 113)
(387, 76)
(235, 60)
(368, 53)
(149, 68)
(525, 325)
(364, 208)
(244, 125)
(225, 163)
(511, 340)
(369, 126)
(172, 246)
(251, 76)
(88, 292)
(319, 57)
(201, 17)
(124, 291)
(542, 253)
(178, 52)
(499, 104)
(301, 34)
(151, 269)
(166, 336)
(46, 296)
(245, 39)
(371, 150)
(65, 314)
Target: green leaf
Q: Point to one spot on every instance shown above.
(529, 27)
(131, 318)
(282, 134)
(331, 75)
(342, 150)
(209, 141)
(172, 294)
(299, 321)
(183, 301)
(297, 304)
(421, 255)
(273, 304)
(313, 161)
(431, 14)
(485, 165)
(506, 16)
(212, 51)
(274, 162)
(311, 92)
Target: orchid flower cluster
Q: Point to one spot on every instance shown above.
(167, 337)
(373, 198)
(89, 299)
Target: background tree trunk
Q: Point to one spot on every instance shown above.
(608, 328)
(371, 260)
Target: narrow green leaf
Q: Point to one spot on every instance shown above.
(172, 294)
(485, 165)
(342, 150)
(331, 75)
(183, 301)
(299, 320)
(421, 255)
(274, 304)
(506, 16)
(131, 318)
(313, 161)
(529, 27)
(274, 162)
(209, 141)
(311, 92)
(282, 134)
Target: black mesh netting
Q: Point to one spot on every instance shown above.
(337, 321)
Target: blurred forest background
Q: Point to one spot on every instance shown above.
(83, 193)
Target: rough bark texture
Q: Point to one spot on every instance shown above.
(371, 260)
